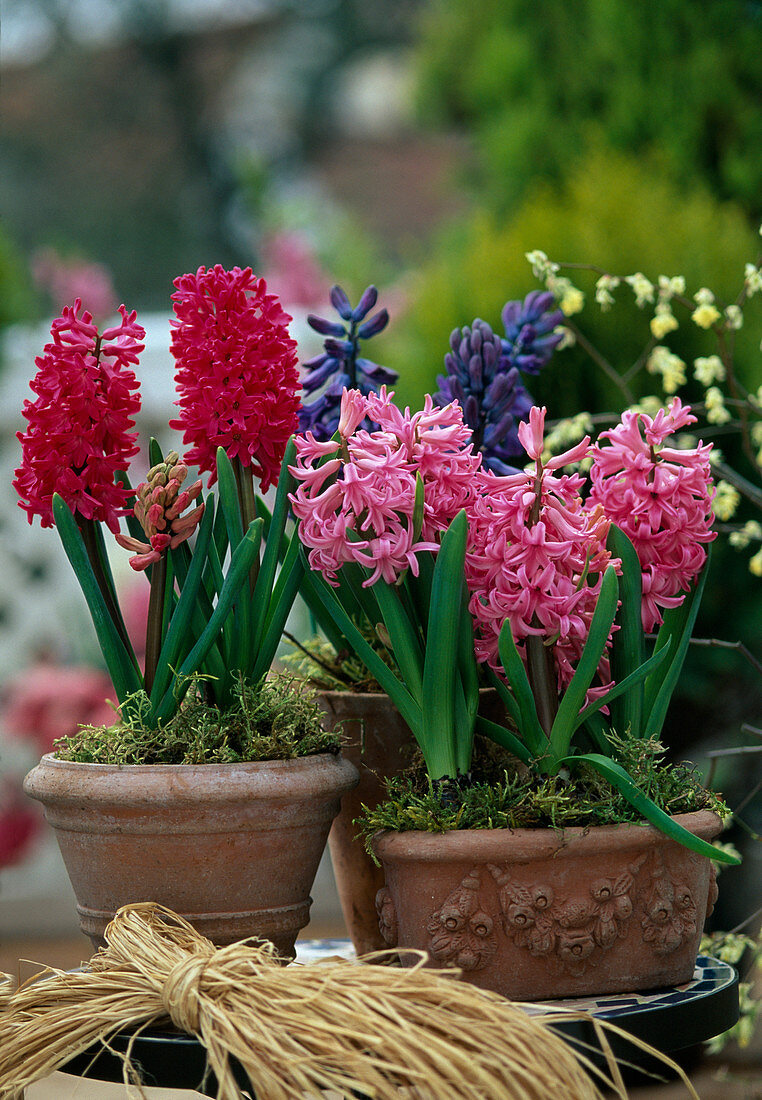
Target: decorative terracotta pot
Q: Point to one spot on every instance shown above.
(234, 848)
(536, 914)
(380, 745)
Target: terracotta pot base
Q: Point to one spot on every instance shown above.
(234, 848)
(280, 926)
(536, 914)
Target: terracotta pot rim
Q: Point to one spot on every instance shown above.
(537, 843)
(52, 760)
(186, 790)
(67, 782)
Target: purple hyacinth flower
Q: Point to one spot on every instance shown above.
(340, 365)
(483, 375)
(530, 339)
(483, 384)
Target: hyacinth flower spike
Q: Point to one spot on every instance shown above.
(483, 375)
(158, 509)
(340, 366)
(548, 710)
(370, 540)
(80, 433)
(237, 382)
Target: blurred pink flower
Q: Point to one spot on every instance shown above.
(293, 271)
(66, 279)
(661, 498)
(48, 701)
(20, 822)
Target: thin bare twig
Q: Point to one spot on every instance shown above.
(601, 360)
(746, 488)
(738, 647)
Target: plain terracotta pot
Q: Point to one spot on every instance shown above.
(380, 745)
(234, 848)
(536, 914)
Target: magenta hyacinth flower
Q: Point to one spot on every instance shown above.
(80, 427)
(237, 374)
(661, 497)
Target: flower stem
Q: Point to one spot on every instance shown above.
(247, 503)
(542, 678)
(155, 620)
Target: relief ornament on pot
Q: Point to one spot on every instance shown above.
(387, 916)
(568, 930)
(670, 911)
(460, 931)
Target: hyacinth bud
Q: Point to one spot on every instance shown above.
(338, 348)
(475, 370)
(375, 325)
(323, 326)
(471, 412)
(366, 304)
(340, 303)
(158, 507)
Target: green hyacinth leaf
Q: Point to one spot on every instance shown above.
(237, 577)
(677, 626)
(441, 658)
(176, 639)
(119, 662)
(634, 678)
(628, 643)
(404, 640)
(574, 697)
(508, 700)
(274, 538)
(503, 737)
(528, 721)
(278, 608)
(394, 688)
(619, 778)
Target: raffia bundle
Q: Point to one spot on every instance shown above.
(333, 1025)
(6, 990)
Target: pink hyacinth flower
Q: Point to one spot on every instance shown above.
(661, 497)
(356, 500)
(536, 556)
